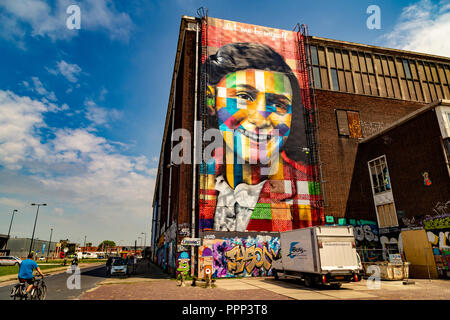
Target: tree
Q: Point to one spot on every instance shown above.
(107, 243)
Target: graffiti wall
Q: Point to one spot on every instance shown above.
(165, 254)
(243, 257)
(438, 232)
(367, 237)
(260, 178)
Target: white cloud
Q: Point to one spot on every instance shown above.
(99, 115)
(13, 203)
(39, 88)
(20, 120)
(93, 188)
(37, 18)
(422, 27)
(68, 70)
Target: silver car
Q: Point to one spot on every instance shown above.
(9, 261)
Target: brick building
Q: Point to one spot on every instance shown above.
(349, 91)
(401, 179)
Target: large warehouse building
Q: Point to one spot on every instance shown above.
(261, 136)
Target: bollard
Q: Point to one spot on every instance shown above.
(182, 280)
(208, 277)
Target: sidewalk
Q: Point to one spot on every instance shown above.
(150, 283)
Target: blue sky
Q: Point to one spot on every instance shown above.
(82, 111)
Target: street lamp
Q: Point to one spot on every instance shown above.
(49, 243)
(14, 211)
(35, 220)
(145, 239)
(141, 241)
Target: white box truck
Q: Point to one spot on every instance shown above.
(320, 254)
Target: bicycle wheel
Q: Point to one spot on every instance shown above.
(43, 292)
(33, 294)
(14, 293)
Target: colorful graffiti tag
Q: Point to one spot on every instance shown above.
(438, 232)
(183, 266)
(233, 257)
(439, 222)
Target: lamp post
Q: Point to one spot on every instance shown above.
(9, 230)
(140, 241)
(49, 243)
(35, 220)
(145, 238)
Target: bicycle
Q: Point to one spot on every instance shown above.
(18, 291)
(38, 291)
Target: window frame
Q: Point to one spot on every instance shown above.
(391, 216)
(383, 217)
(383, 157)
(348, 133)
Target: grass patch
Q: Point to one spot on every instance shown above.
(8, 270)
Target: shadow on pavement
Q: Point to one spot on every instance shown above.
(144, 269)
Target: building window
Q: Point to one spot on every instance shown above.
(381, 181)
(316, 75)
(348, 123)
(407, 70)
(447, 149)
(334, 80)
(316, 68)
(387, 217)
(314, 58)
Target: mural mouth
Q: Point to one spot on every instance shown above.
(257, 137)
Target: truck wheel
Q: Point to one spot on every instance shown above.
(309, 282)
(336, 285)
(275, 274)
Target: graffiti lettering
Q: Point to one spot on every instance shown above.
(437, 223)
(441, 240)
(249, 258)
(365, 232)
(442, 208)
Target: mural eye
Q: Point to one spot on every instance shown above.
(281, 108)
(245, 96)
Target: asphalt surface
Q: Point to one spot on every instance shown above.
(57, 284)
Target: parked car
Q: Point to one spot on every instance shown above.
(119, 267)
(88, 255)
(10, 261)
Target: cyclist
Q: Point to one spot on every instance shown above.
(26, 272)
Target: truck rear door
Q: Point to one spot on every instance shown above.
(337, 253)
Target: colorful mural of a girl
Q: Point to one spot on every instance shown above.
(261, 180)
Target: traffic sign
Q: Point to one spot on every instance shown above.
(196, 242)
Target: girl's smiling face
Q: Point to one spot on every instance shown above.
(254, 110)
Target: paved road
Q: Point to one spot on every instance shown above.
(57, 284)
(152, 284)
